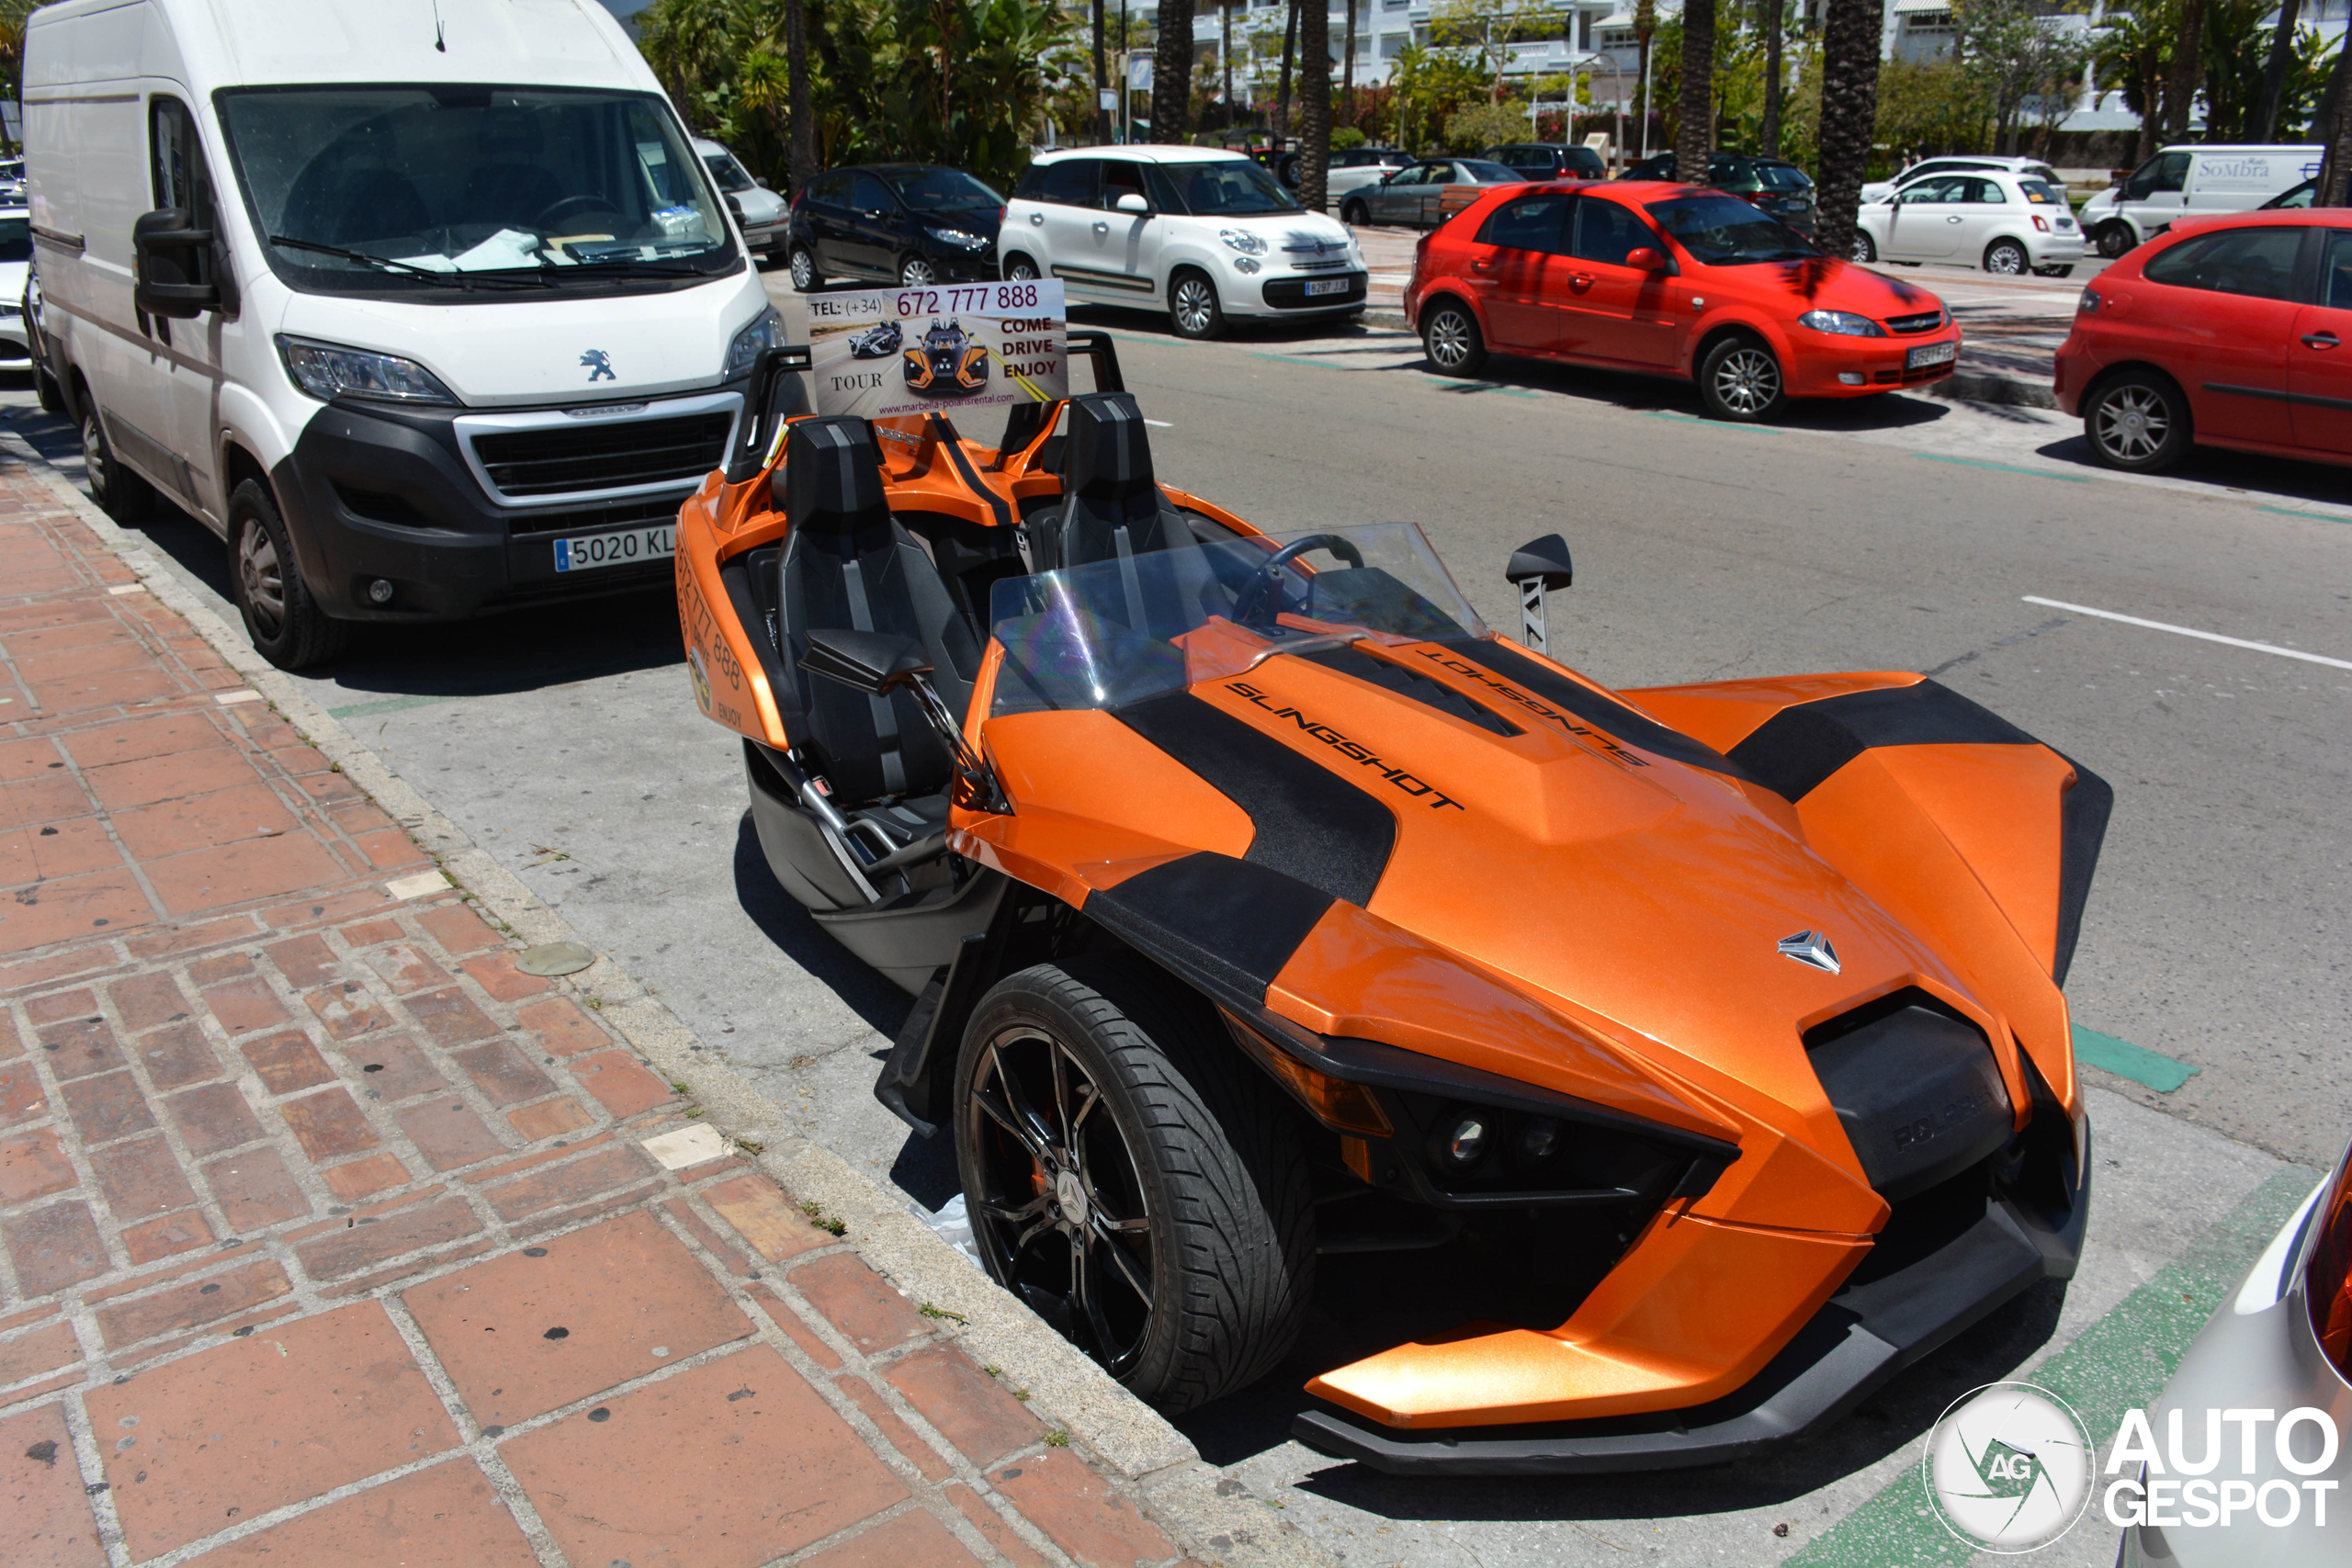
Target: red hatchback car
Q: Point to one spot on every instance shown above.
(2232, 332)
(1642, 275)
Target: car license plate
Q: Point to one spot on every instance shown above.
(1327, 285)
(1930, 354)
(617, 550)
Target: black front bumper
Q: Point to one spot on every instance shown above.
(373, 493)
(1944, 1276)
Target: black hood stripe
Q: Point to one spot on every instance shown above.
(2082, 831)
(1314, 826)
(1603, 713)
(1795, 752)
(1224, 925)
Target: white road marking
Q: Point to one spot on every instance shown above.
(2191, 631)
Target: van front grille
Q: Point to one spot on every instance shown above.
(602, 455)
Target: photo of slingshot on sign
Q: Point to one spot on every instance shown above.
(890, 351)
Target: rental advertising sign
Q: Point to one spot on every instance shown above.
(885, 352)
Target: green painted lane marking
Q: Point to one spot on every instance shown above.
(2299, 512)
(2126, 1060)
(2122, 1362)
(2004, 468)
(390, 705)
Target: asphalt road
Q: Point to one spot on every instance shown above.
(1900, 533)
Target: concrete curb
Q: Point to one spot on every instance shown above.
(1219, 1517)
(1961, 386)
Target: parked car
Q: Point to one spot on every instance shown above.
(1549, 160)
(2030, 168)
(2296, 197)
(764, 216)
(1662, 278)
(1199, 232)
(911, 223)
(1425, 194)
(16, 284)
(12, 182)
(418, 350)
(2228, 332)
(1357, 167)
(2192, 181)
(2000, 221)
(2283, 1343)
(1770, 185)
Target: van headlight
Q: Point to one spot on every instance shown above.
(767, 332)
(328, 372)
(1241, 240)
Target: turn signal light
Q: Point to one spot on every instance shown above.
(1346, 1107)
(2330, 1277)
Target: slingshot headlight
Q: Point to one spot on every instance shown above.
(1465, 1142)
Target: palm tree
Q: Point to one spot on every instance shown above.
(1348, 69)
(1102, 84)
(2182, 86)
(1314, 143)
(1695, 135)
(1850, 41)
(2274, 74)
(1225, 54)
(1769, 16)
(805, 166)
(1644, 30)
(1171, 72)
(1282, 92)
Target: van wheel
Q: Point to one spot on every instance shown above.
(1450, 339)
(286, 624)
(1355, 215)
(1193, 307)
(1133, 1179)
(805, 278)
(121, 494)
(2004, 257)
(2137, 421)
(2114, 238)
(51, 395)
(1740, 380)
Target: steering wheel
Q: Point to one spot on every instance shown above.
(570, 205)
(1264, 591)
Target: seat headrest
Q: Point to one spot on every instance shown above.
(1106, 454)
(832, 475)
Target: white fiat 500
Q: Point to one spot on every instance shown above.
(1989, 218)
(1200, 232)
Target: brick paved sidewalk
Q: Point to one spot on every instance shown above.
(329, 1236)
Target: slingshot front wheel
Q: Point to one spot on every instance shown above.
(1133, 1179)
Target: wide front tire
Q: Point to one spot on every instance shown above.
(1450, 338)
(286, 624)
(1740, 379)
(1133, 1178)
(2137, 421)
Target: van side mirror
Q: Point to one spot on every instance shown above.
(873, 662)
(170, 260)
(1642, 258)
(1134, 204)
(1537, 567)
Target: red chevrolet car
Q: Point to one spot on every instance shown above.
(1642, 274)
(2232, 332)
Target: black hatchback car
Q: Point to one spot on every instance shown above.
(910, 224)
(1549, 160)
(1771, 184)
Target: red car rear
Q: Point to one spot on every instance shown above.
(1639, 274)
(2231, 332)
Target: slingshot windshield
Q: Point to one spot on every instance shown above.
(1117, 631)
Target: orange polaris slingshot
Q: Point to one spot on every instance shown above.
(1261, 904)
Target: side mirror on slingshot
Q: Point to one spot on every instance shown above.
(1537, 567)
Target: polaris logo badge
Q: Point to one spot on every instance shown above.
(1964, 1109)
(1810, 947)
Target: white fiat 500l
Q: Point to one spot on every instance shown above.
(1199, 232)
(1987, 218)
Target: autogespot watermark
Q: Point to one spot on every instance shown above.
(2010, 1467)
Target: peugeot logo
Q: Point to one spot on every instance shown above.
(600, 364)
(1812, 948)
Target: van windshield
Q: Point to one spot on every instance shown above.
(410, 187)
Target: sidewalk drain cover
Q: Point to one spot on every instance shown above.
(554, 958)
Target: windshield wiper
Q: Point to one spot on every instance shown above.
(452, 279)
(641, 265)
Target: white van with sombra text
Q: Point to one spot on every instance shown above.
(428, 311)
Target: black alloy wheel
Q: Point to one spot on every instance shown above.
(2114, 238)
(1450, 339)
(285, 623)
(1133, 1178)
(2007, 257)
(1740, 380)
(2137, 421)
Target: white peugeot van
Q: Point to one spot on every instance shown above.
(1200, 232)
(2191, 182)
(428, 310)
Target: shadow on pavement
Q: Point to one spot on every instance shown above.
(784, 922)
